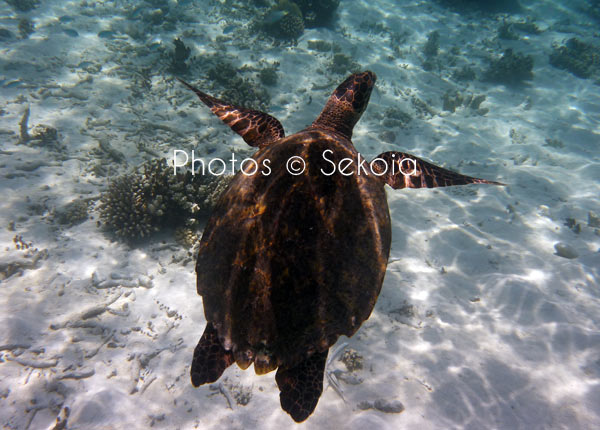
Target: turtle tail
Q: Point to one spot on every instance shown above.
(210, 358)
(301, 386)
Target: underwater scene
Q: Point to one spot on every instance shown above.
(236, 214)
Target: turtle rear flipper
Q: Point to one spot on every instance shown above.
(210, 358)
(256, 128)
(301, 386)
(401, 170)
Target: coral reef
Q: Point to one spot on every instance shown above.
(593, 220)
(72, 213)
(342, 64)
(553, 143)
(26, 27)
(352, 360)
(23, 126)
(395, 117)
(432, 46)
(237, 90)
(453, 99)
(431, 49)
(16, 262)
(244, 92)
(24, 257)
(186, 237)
(44, 135)
(507, 30)
(490, 6)
(180, 55)
(139, 204)
(23, 5)
(528, 27)
(517, 137)
(125, 209)
(421, 107)
(291, 27)
(573, 225)
(222, 72)
(510, 69)
(6, 34)
(374, 28)
(579, 58)
(594, 9)
(317, 13)
(465, 73)
(268, 75)
(323, 46)
(283, 21)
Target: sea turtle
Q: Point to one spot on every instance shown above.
(293, 256)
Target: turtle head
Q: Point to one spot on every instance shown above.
(347, 103)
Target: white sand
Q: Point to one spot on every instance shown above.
(479, 324)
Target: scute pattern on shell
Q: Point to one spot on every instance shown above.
(289, 263)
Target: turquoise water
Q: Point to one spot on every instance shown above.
(488, 314)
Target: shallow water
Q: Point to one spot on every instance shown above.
(482, 321)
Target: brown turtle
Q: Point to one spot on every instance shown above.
(289, 262)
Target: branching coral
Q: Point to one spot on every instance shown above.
(579, 58)
(237, 90)
(23, 5)
(243, 92)
(491, 6)
(72, 213)
(317, 13)
(342, 64)
(594, 9)
(453, 99)
(284, 21)
(291, 27)
(222, 72)
(465, 73)
(395, 117)
(268, 76)
(26, 27)
(510, 69)
(136, 205)
(432, 46)
(431, 49)
(180, 55)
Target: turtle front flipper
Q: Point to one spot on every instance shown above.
(210, 358)
(301, 386)
(256, 128)
(400, 170)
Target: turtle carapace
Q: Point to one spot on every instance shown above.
(289, 261)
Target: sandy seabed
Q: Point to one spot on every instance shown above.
(479, 325)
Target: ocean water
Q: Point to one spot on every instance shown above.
(488, 314)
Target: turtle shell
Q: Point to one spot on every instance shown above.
(288, 263)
